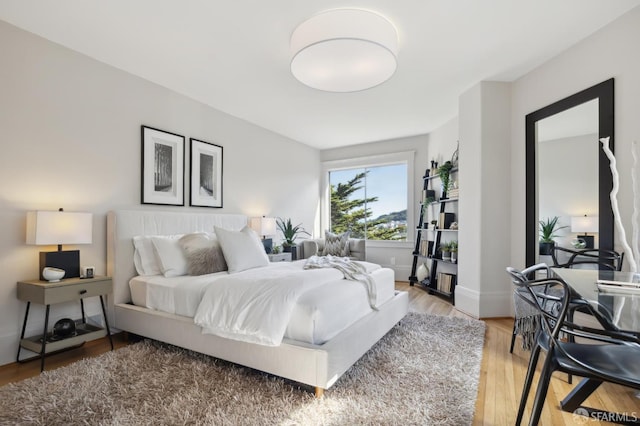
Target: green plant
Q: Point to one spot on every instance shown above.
(453, 246)
(289, 232)
(548, 229)
(444, 174)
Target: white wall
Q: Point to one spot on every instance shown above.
(71, 138)
(610, 52)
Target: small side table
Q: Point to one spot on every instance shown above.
(47, 294)
(280, 257)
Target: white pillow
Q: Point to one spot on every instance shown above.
(144, 256)
(169, 255)
(242, 249)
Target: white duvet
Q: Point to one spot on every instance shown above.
(256, 306)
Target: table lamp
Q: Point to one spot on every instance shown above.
(585, 224)
(57, 228)
(264, 226)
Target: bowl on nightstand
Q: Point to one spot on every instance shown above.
(53, 275)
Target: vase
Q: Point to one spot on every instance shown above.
(422, 273)
(454, 256)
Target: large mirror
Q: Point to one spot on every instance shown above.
(567, 172)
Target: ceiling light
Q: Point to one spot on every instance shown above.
(344, 50)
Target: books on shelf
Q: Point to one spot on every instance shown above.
(445, 282)
(425, 247)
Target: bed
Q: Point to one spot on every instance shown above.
(301, 356)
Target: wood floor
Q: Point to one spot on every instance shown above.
(501, 378)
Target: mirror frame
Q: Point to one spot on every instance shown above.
(605, 95)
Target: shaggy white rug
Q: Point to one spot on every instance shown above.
(425, 372)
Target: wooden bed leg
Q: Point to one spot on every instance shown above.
(319, 392)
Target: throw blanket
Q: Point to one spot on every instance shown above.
(351, 270)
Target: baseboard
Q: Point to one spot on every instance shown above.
(484, 305)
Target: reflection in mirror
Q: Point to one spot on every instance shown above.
(567, 147)
(567, 172)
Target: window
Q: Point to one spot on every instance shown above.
(370, 201)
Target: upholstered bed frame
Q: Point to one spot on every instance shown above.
(315, 365)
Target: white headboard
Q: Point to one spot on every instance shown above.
(123, 225)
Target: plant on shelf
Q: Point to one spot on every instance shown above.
(548, 230)
(453, 248)
(445, 177)
(446, 252)
(434, 224)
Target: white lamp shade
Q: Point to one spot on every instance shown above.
(584, 224)
(263, 225)
(344, 50)
(59, 227)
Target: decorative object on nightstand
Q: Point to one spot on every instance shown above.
(585, 224)
(265, 227)
(57, 228)
(53, 275)
(63, 334)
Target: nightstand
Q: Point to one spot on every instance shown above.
(280, 257)
(49, 293)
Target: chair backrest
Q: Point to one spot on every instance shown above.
(603, 259)
(551, 297)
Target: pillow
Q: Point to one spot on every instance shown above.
(170, 256)
(203, 253)
(144, 256)
(336, 244)
(242, 249)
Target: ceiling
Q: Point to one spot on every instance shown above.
(234, 55)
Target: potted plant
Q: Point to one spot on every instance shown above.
(453, 248)
(444, 174)
(446, 252)
(434, 224)
(290, 233)
(548, 230)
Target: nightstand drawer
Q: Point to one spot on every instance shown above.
(280, 257)
(64, 291)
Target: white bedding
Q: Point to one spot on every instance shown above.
(329, 304)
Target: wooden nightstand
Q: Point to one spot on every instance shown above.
(280, 257)
(47, 294)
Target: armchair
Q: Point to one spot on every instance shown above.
(357, 250)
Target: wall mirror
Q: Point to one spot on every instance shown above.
(567, 172)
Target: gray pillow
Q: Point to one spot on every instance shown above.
(203, 253)
(336, 244)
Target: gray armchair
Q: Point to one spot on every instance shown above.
(356, 248)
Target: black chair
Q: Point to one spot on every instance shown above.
(613, 359)
(603, 259)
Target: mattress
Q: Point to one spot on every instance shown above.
(319, 315)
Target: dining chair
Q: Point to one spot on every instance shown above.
(603, 259)
(602, 355)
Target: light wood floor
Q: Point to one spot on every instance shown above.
(501, 376)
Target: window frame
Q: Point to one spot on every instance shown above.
(403, 157)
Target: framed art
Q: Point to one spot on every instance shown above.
(162, 167)
(206, 174)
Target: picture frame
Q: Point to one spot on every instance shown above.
(206, 174)
(162, 179)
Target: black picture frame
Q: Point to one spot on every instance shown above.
(206, 165)
(162, 169)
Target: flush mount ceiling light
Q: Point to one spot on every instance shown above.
(344, 50)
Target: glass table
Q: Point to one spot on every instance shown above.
(622, 303)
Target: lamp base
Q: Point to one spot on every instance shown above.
(69, 260)
(588, 240)
(268, 245)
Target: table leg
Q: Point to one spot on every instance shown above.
(577, 396)
(84, 320)
(24, 327)
(106, 321)
(44, 338)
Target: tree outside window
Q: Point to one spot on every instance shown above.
(371, 202)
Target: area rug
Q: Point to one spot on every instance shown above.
(425, 371)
